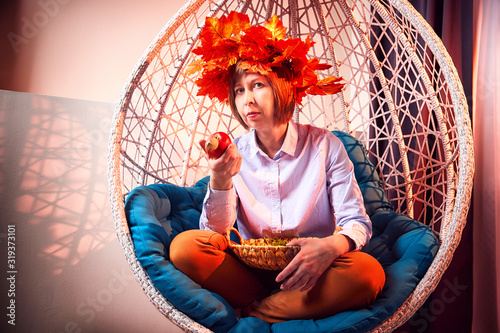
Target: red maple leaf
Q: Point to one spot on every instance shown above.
(261, 49)
(211, 87)
(256, 67)
(239, 22)
(254, 44)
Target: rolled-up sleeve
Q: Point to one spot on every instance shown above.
(219, 210)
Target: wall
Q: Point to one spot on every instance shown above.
(68, 273)
(82, 49)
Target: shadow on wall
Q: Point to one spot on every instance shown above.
(67, 271)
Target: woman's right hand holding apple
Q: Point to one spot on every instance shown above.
(224, 167)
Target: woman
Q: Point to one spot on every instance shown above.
(280, 179)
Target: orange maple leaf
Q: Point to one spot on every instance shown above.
(261, 49)
(256, 67)
(276, 27)
(239, 22)
(218, 30)
(329, 85)
(323, 67)
(195, 66)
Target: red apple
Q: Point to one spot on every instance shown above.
(217, 144)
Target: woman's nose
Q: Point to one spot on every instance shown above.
(249, 98)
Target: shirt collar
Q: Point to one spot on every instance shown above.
(289, 144)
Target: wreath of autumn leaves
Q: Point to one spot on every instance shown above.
(260, 49)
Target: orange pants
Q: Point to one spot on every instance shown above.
(353, 280)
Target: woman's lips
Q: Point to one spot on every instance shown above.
(251, 115)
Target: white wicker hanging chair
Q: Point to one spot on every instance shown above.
(403, 100)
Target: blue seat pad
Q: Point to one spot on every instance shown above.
(405, 248)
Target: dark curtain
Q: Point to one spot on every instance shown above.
(449, 308)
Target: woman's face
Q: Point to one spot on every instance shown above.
(254, 100)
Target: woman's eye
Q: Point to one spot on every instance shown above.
(259, 84)
(238, 91)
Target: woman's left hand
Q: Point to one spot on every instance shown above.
(314, 257)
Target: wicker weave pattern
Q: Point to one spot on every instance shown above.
(256, 253)
(259, 253)
(403, 100)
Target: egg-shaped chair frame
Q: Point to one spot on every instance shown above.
(403, 100)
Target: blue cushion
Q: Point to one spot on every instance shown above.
(366, 175)
(156, 214)
(404, 247)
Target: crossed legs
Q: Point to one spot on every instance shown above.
(353, 280)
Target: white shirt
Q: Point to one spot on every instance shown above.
(306, 190)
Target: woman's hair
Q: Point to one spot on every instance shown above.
(284, 101)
